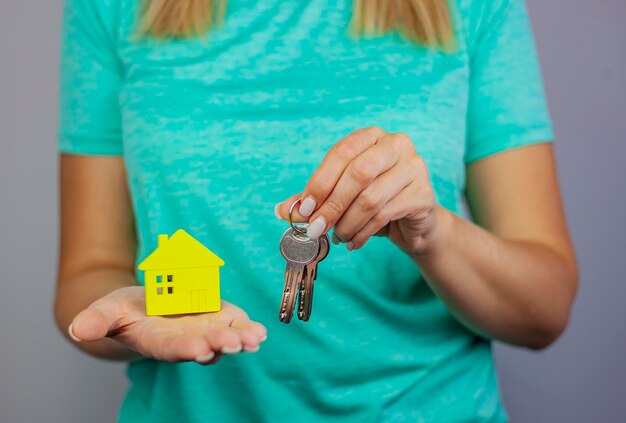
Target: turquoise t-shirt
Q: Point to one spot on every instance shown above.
(215, 131)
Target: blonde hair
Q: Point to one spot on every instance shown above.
(424, 21)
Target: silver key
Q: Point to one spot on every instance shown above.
(305, 299)
(299, 250)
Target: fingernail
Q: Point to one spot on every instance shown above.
(307, 206)
(316, 228)
(276, 211)
(231, 350)
(350, 245)
(264, 338)
(251, 350)
(70, 331)
(204, 359)
(335, 239)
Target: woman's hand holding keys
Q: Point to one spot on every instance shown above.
(370, 183)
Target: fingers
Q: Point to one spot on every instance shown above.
(176, 347)
(360, 173)
(212, 358)
(328, 173)
(226, 340)
(372, 199)
(353, 182)
(326, 176)
(251, 333)
(242, 335)
(187, 348)
(235, 332)
(281, 210)
(205, 346)
(399, 207)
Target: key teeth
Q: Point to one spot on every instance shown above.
(299, 284)
(290, 293)
(303, 316)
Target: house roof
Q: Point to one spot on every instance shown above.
(180, 251)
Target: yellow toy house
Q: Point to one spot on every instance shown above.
(181, 276)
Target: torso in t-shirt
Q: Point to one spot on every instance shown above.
(215, 131)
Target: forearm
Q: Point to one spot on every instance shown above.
(76, 293)
(515, 291)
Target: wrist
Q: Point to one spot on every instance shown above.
(436, 238)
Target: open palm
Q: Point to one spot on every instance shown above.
(202, 337)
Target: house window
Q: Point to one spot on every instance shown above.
(159, 290)
(159, 278)
(170, 278)
(170, 290)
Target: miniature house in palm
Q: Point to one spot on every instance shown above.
(181, 276)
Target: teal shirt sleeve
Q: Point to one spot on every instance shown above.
(89, 120)
(507, 106)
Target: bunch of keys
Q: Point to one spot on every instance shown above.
(302, 255)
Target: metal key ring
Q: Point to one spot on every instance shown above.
(294, 227)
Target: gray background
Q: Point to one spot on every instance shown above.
(582, 378)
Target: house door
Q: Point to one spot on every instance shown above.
(198, 300)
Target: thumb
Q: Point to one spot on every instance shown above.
(281, 209)
(90, 325)
(98, 320)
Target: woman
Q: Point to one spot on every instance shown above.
(164, 127)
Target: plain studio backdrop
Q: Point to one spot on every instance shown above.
(581, 378)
